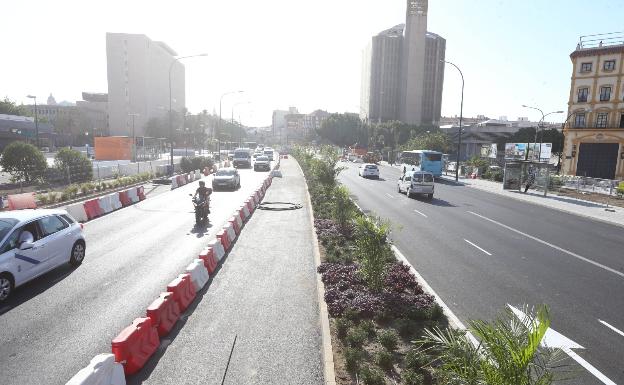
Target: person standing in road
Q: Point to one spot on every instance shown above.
(530, 178)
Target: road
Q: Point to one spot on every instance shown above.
(54, 325)
(480, 251)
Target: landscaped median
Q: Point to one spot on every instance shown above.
(385, 329)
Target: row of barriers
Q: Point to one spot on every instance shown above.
(181, 180)
(93, 208)
(133, 347)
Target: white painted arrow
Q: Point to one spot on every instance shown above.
(553, 339)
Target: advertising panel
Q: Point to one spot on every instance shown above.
(528, 151)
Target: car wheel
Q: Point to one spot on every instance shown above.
(429, 197)
(77, 253)
(409, 192)
(6, 286)
(399, 189)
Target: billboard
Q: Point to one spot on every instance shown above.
(528, 151)
(489, 150)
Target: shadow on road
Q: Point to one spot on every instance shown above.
(441, 203)
(447, 182)
(201, 230)
(37, 286)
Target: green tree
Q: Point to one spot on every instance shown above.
(74, 164)
(23, 161)
(373, 249)
(8, 107)
(344, 130)
(436, 141)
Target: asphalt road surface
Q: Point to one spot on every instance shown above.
(481, 251)
(54, 325)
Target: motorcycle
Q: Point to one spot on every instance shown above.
(202, 209)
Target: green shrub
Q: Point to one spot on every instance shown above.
(71, 191)
(353, 358)
(369, 327)
(356, 337)
(86, 188)
(52, 197)
(620, 189)
(419, 314)
(407, 327)
(351, 314)
(388, 339)
(75, 164)
(342, 327)
(343, 208)
(373, 250)
(43, 199)
(436, 312)
(23, 161)
(98, 187)
(371, 376)
(384, 359)
(416, 359)
(411, 377)
(64, 197)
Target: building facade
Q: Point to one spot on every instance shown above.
(138, 71)
(93, 110)
(594, 131)
(402, 72)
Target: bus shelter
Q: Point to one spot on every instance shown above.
(516, 174)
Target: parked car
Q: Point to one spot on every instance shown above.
(35, 242)
(368, 170)
(417, 183)
(262, 163)
(226, 178)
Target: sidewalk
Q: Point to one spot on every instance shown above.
(575, 206)
(264, 294)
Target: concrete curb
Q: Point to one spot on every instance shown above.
(328, 353)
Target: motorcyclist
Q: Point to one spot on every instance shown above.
(204, 194)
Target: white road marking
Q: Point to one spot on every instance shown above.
(611, 327)
(554, 339)
(391, 196)
(600, 265)
(478, 247)
(416, 211)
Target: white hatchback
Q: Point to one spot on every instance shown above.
(35, 242)
(368, 170)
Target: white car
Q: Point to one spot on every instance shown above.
(417, 183)
(35, 242)
(368, 170)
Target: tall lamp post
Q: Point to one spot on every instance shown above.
(134, 151)
(540, 125)
(175, 60)
(220, 120)
(461, 115)
(232, 117)
(36, 119)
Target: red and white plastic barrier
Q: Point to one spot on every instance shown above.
(199, 274)
(135, 345)
(217, 249)
(183, 290)
(77, 211)
(133, 195)
(102, 370)
(105, 204)
(164, 312)
(231, 232)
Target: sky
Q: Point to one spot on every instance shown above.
(308, 55)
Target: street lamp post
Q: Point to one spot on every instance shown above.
(220, 120)
(175, 60)
(232, 117)
(36, 119)
(461, 115)
(540, 125)
(134, 151)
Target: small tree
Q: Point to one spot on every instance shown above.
(373, 250)
(343, 208)
(74, 164)
(23, 161)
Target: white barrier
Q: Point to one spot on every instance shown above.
(133, 195)
(115, 202)
(217, 249)
(238, 219)
(246, 211)
(174, 182)
(102, 370)
(231, 233)
(198, 174)
(105, 204)
(77, 211)
(199, 273)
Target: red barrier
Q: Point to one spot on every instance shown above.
(135, 345)
(235, 225)
(250, 205)
(183, 290)
(241, 214)
(164, 313)
(141, 192)
(22, 201)
(92, 208)
(223, 238)
(210, 261)
(124, 198)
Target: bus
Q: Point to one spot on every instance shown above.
(252, 145)
(422, 160)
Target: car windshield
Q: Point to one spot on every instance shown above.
(6, 224)
(262, 158)
(241, 154)
(225, 172)
(371, 167)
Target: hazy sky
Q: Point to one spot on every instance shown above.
(305, 54)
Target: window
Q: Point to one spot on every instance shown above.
(601, 120)
(609, 65)
(622, 121)
(579, 120)
(428, 178)
(582, 94)
(11, 241)
(586, 67)
(68, 219)
(605, 93)
(50, 225)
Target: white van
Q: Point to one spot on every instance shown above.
(417, 183)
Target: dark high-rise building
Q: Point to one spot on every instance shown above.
(402, 75)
